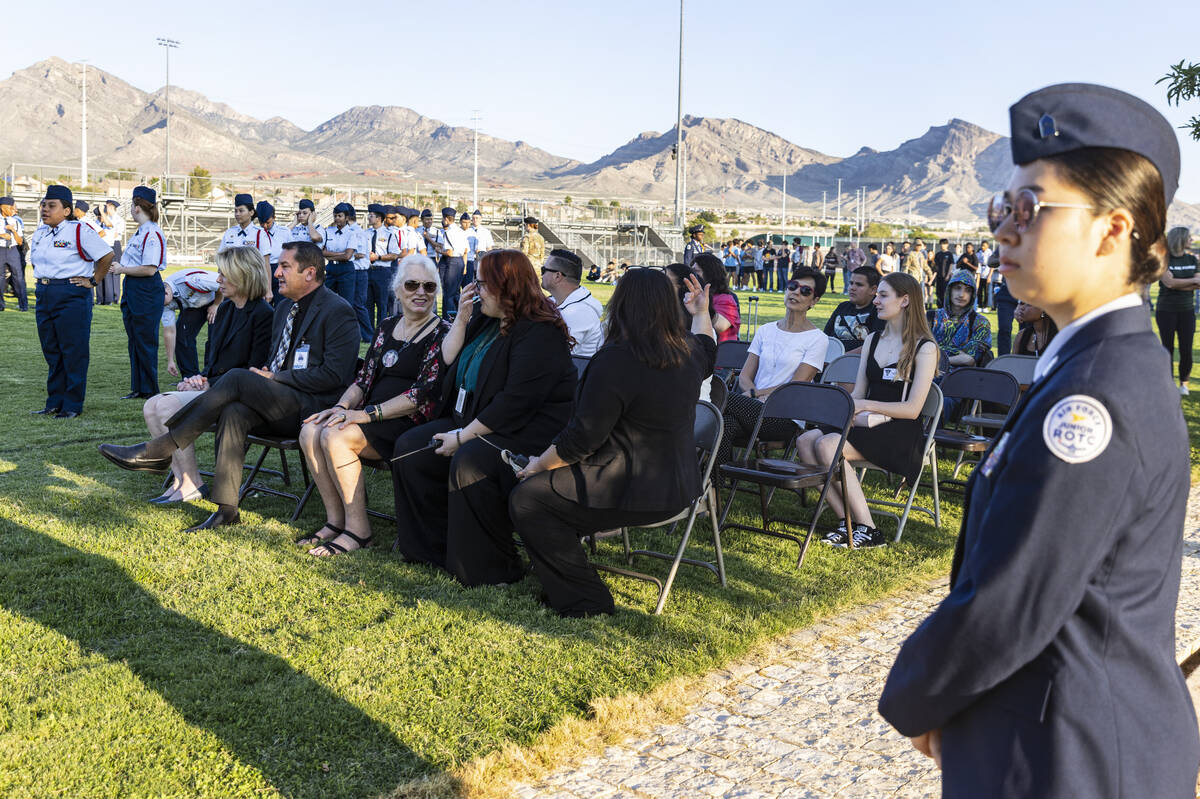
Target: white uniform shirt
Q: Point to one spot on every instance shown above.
(193, 288)
(118, 227)
(482, 241)
(386, 243)
(339, 240)
(146, 248)
(581, 311)
(55, 251)
(16, 222)
(362, 256)
(410, 239)
(300, 233)
(420, 231)
(279, 237)
(454, 238)
(252, 236)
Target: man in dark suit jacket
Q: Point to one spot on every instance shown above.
(314, 347)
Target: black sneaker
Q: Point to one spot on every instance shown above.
(838, 537)
(868, 537)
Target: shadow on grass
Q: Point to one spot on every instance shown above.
(305, 740)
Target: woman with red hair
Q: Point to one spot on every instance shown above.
(512, 388)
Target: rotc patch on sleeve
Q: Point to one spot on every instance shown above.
(1078, 428)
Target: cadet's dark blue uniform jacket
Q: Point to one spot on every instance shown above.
(1050, 667)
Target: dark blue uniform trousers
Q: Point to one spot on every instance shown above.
(10, 261)
(379, 293)
(1006, 306)
(64, 324)
(141, 311)
(187, 329)
(450, 270)
(339, 278)
(361, 288)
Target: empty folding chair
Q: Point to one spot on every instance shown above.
(731, 357)
(972, 386)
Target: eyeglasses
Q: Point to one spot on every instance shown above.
(545, 270)
(805, 291)
(429, 286)
(1024, 209)
(480, 283)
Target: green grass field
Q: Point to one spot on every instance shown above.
(138, 661)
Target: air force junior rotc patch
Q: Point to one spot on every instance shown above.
(1078, 428)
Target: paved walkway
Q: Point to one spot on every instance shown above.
(800, 721)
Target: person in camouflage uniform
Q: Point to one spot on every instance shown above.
(532, 243)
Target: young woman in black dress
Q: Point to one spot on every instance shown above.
(893, 380)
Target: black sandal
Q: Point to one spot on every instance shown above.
(314, 539)
(335, 549)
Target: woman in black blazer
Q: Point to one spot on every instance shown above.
(511, 388)
(239, 337)
(627, 457)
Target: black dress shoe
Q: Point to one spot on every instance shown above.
(138, 395)
(134, 458)
(66, 414)
(217, 519)
(46, 412)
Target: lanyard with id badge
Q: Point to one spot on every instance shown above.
(300, 357)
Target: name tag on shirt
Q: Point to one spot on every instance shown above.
(300, 359)
(461, 402)
(889, 374)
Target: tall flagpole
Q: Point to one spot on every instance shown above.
(679, 187)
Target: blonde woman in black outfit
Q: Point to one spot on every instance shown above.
(627, 456)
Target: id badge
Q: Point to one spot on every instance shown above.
(300, 359)
(889, 374)
(461, 402)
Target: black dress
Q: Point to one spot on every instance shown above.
(399, 367)
(896, 445)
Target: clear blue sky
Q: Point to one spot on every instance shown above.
(579, 79)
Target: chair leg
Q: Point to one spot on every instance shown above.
(713, 501)
(729, 504)
(283, 467)
(762, 507)
(309, 485)
(846, 506)
(937, 501)
(249, 482)
(666, 589)
(628, 549)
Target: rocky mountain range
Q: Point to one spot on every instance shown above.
(946, 174)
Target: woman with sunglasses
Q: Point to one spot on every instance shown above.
(397, 388)
(1049, 669)
(791, 349)
(512, 388)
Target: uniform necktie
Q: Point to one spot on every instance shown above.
(374, 236)
(285, 340)
(242, 233)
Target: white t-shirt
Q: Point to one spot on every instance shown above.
(887, 263)
(582, 312)
(780, 353)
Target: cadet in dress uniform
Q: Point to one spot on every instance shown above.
(411, 240)
(695, 245)
(142, 293)
(1049, 670)
(481, 241)
(12, 233)
(362, 272)
(280, 236)
(452, 248)
(383, 250)
(194, 293)
(306, 227)
(246, 233)
(68, 259)
(532, 243)
(109, 290)
(338, 249)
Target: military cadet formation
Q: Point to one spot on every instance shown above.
(1049, 669)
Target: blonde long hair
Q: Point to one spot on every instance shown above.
(914, 327)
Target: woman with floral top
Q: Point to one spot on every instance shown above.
(397, 388)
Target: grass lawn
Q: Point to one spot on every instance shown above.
(139, 661)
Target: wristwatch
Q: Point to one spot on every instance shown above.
(753, 393)
(92, 280)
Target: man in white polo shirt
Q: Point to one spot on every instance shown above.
(580, 310)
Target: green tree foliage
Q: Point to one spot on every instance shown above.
(201, 182)
(613, 204)
(708, 216)
(710, 235)
(1183, 83)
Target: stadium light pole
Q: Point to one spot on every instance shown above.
(83, 130)
(680, 201)
(475, 183)
(168, 45)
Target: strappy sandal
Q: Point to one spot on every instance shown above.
(332, 549)
(314, 539)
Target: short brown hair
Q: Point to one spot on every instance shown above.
(1113, 178)
(148, 207)
(308, 256)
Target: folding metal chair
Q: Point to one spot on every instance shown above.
(707, 431)
(811, 402)
(842, 370)
(931, 412)
(269, 443)
(1020, 367)
(834, 350)
(973, 386)
(731, 357)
